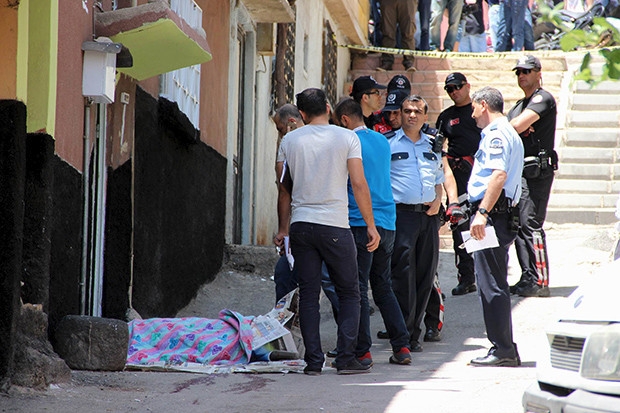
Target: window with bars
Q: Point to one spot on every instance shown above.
(330, 64)
(283, 78)
(183, 85)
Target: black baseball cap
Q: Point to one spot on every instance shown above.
(399, 82)
(365, 84)
(528, 62)
(456, 78)
(394, 99)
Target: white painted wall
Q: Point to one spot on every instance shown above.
(260, 195)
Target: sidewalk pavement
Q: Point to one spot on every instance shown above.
(439, 379)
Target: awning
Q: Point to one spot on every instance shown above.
(270, 11)
(159, 40)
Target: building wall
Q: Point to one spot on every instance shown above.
(310, 20)
(214, 74)
(8, 51)
(74, 27)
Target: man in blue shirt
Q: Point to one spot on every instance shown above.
(375, 266)
(416, 178)
(493, 191)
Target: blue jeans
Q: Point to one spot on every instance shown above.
(312, 244)
(514, 17)
(455, 7)
(528, 31)
(497, 26)
(424, 11)
(286, 281)
(376, 267)
(473, 43)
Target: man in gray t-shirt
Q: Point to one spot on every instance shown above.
(320, 158)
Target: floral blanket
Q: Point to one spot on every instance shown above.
(223, 341)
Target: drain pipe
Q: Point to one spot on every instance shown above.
(85, 205)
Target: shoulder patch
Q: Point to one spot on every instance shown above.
(496, 146)
(537, 99)
(496, 143)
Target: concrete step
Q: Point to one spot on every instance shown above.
(502, 62)
(592, 137)
(560, 200)
(585, 186)
(606, 87)
(588, 155)
(588, 216)
(595, 102)
(593, 119)
(588, 171)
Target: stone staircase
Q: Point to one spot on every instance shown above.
(588, 128)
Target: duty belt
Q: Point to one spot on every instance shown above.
(412, 207)
(502, 205)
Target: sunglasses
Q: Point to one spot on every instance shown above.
(524, 71)
(374, 92)
(451, 89)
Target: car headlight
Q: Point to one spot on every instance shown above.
(601, 356)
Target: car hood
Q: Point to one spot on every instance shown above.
(596, 300)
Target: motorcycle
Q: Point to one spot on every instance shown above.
(553, 24)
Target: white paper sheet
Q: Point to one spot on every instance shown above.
(489, 241)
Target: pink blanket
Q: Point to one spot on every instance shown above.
(222, 341)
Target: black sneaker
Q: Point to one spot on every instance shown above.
(332, 353)
(383, 334)
(432, 334)
(463, 289)
(515, 288)
(403, 356)
(353, 367)
(312, 371)
(533, 290)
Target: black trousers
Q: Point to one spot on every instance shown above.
(414, 263)
(491, 266)
(533, 211)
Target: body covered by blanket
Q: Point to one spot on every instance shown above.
(227, 340)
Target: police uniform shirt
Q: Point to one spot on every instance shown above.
(460, 128)
(415, 169)
(500, 148)
(543, 103)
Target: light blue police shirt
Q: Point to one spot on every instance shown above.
(500, 148)
(415, 169)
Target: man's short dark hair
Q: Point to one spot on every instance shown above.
(493, 97)
(350, 108)
(415, 98)
(312, 101)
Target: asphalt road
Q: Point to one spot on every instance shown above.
(439, 379)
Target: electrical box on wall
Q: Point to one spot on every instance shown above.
(99, 70)
(266, 38)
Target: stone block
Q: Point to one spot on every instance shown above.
(92, 343)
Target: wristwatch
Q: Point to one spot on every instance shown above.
(483, 211)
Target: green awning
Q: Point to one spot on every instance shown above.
(158, 39)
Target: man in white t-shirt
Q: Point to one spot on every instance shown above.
(321, 158)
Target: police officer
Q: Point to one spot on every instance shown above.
(493, 191)
(463, 136)
(534, 118)
(416, 177)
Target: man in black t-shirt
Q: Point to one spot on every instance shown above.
(370, 95)
(534, 118)
(463, 137)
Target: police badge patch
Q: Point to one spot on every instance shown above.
(496, 146)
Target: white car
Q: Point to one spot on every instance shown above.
(581, 370)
